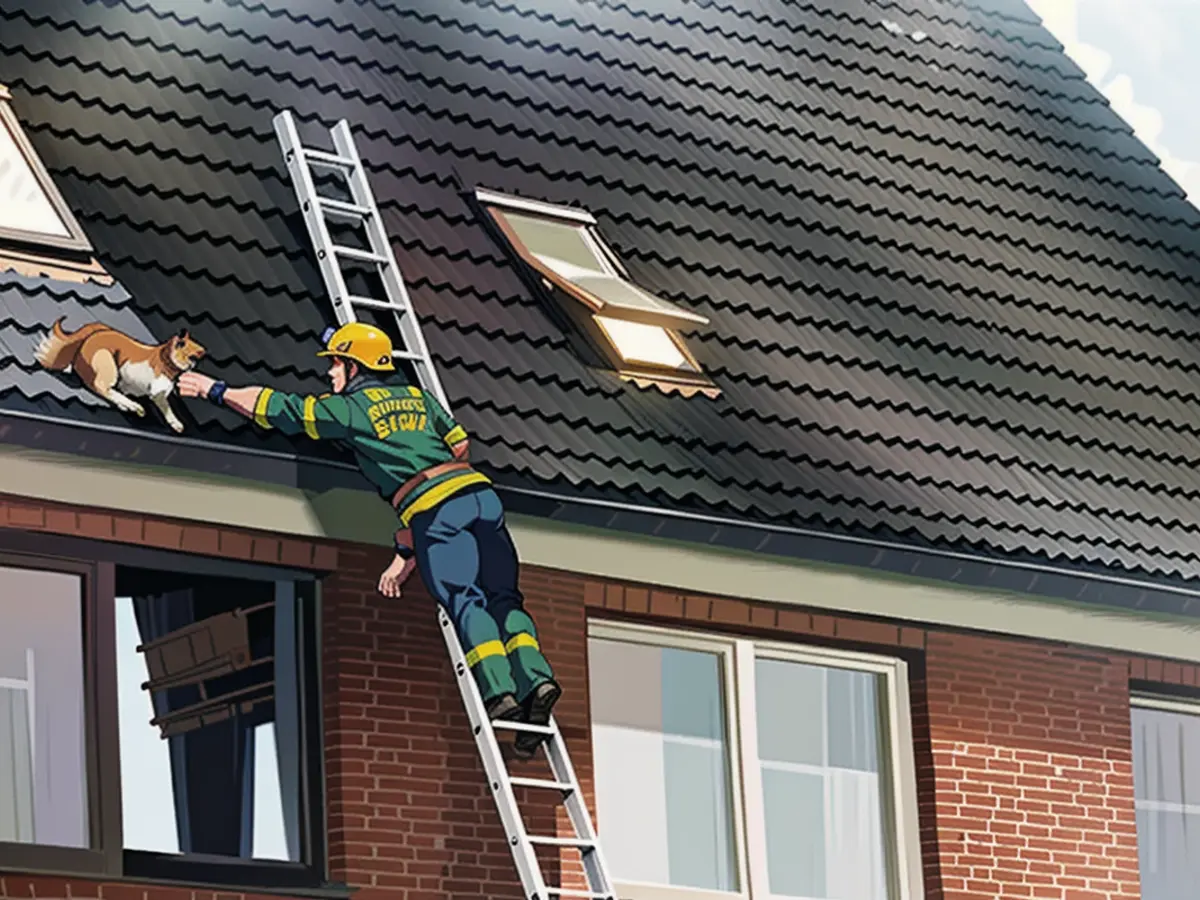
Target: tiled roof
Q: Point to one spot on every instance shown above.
(951, 296)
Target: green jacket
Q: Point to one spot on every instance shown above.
(394, 432)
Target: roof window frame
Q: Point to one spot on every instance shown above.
(587, 310)
(76, 242)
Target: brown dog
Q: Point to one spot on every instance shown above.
(115, 367)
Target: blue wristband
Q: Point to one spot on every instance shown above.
(403, 552)
(216, 393)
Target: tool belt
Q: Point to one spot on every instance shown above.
(424, 475)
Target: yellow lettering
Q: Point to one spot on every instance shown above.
(377, 394)
(421, 423)
(381, 429)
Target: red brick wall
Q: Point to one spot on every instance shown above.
(1033, 779)
(1022, 748)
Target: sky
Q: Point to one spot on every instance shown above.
(1141, 55)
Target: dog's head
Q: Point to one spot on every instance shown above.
(185, 352)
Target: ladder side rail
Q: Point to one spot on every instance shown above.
(563, 771)
(314, 220)
(528, 867)
(406, 316)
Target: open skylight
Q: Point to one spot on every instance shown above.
(636, 330)
(31, 209)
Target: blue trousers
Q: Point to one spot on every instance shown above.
(468, 562)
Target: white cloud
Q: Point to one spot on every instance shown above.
(1152, 32)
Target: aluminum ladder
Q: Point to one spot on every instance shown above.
(319, 211)
(501, 782)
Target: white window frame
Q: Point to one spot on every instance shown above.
(899, 814)
(75, 240)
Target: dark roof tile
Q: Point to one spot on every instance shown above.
(950, 294)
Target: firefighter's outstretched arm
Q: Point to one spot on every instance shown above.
(317, 417)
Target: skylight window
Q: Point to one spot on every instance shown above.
(646, 345)
(634, 329)
(32, 212)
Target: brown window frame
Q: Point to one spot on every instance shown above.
(96, 563)
(587, 306)
(76, 242)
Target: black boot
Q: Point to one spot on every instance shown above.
(538, 706)
(505, 706)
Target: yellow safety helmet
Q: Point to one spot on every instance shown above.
(365, 344)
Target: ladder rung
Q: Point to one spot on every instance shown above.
(567, 892)
(543, 783)
(407, 354)
(522, 726)
(580, 843)
(374, 304)
(352, 253)
(329, 160)
(341, 209)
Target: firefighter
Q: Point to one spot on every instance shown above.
(453, 529)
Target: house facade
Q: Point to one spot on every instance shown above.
(834, 363)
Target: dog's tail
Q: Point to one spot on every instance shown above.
(58, 349)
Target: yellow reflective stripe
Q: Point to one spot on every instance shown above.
(456, 434)
(310, 418)
(414, 391)
(440, 492)
(260, 407)
(483, 651)
(521, 640)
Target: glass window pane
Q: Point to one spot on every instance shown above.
(692, 704)
(23, 204)
(794, 809)
(640, 343)
(1166, 756)
(700, 852)
(216, 772)
(662, 765)
(43, 764)
(792, 697)
(16, 765)
(147, 816)
(853, 720)
(270, 831)
(818, 734)
(555, 242)
(1166, 777)
(619, 293)
(1168, 853)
